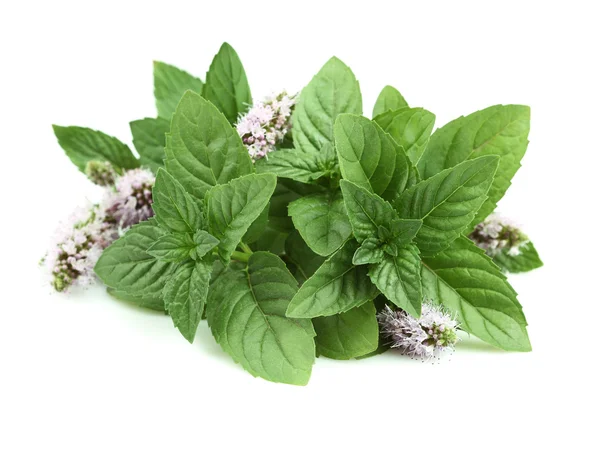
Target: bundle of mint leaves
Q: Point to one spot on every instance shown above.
(292, 254)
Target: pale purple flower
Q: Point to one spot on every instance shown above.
(131, 200)
(430, 336)
(497, 234)
(266, 124)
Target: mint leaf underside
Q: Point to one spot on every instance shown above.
(322, 221)
(246, 313)
(332, 91)
(226, 84)
(202, 149)
(149, 141)
(370, 158)
(500, 130)
(83, 145)
(447, 202)
(170, 83)
(466, 281)
(337, 286)
(348, 335)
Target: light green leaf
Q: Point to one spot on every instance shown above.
(399, 279)
(169, 85)
(366, 211)
(500, 130)
(154, 302)
(246, 313)
(203, 150)
(410, 127)
(226, 84)
(173, 247)
(332, 91)
(185, 296)
(467, 282)
(305, 262)
(300, 166)
(127, 266)
(390, 99)
(348, 335)
(369, 252)
(337, 286)
(447, 202)
(370, 158)
(528, 259)
(175, 209)
(322, 221)
(232, 207)
(84, 144)
(149, 141)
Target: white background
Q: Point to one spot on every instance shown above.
(84, 371)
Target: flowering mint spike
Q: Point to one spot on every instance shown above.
(100, 173)
(131, 201)
(430, 336)
(267, 124)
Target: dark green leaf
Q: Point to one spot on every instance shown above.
(226, 84)
(149, 140)
(300, 166)
(467, 282)
(337, 286)
(173, 247)
(369, 252)
(447, 202)
(205, 242)
(203, 150)
(348, 335)
(306, 262)
(246, 313)
(170, 83)
(83, 145)
(154, 302)
(322, 221)
(175, 209)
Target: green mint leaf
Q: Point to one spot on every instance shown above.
(170, 83)
(390, 99)
(204, 242)
(467, 282)
(500, 130)
(410, 127)
(337, 286)
(332, 91)
(399, 279)
(258, 227)
(348, 335)
(369, 252)
(322, 221)
(226, 84)
(367, 211)
(303, 167)
(149, 141)
(232, 207)
(202, 149)
(370, 158)
(185, 296)
(528, 259)
(175, 209)
(447, 202)
(173, 247)
(83, 145)
(127, 266)
(154, 302)
(246, 313)
(304, 261)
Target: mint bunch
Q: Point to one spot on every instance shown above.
(293, 255)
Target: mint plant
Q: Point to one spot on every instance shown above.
(342, 238)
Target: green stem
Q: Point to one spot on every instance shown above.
(240, 256)
(246, 248)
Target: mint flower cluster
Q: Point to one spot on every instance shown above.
(497, 234)
(79, 241)
(430, 336)
(266, 124)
